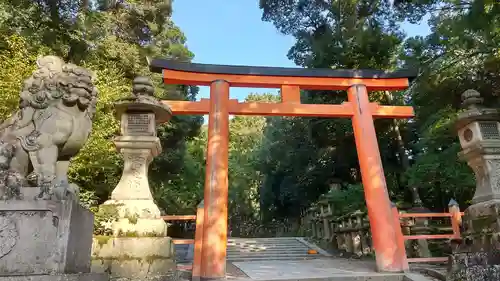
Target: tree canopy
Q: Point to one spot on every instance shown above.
(419, 156)
(112, 38)
(278, 166)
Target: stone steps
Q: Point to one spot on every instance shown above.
(262, 249)
(244, 258)
(255, 251)
(259, 249)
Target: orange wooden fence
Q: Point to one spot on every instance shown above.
(456, 219)
(181, 241)
(180, 218)
(350, 233)
(197, 241)
(454, 214)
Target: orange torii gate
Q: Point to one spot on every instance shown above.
(290, 80)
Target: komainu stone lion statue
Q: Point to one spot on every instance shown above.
(54, 120)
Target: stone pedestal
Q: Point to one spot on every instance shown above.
(478, 257)
(482, 226)
(48, 240)
(474, 266)
(135, 258)
(63, 277)
(132, 198)
(45, 235)
(137, 247)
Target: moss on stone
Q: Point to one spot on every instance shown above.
(483, 223)
(131, 234)
(124, 257)
(153, 234)
(150, 259)
(132, 218)
(105, 214)
(139, 235)
(102, 239)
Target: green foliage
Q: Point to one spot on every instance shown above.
(245, 141)
(346, 200)
(302, 157)
(104, 216)
(461, 53)
(89, 200)
(278, 166)
(112, 38)
(16, 63)
(437, 171)
(244, 179)
(181, 194)
(98, 166)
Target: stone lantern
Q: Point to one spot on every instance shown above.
(135, 245)
(478, 129)
(479, 134)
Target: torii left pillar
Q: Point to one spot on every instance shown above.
(213, 264)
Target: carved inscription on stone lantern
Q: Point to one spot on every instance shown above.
(138, 124)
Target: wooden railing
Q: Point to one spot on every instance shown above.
(350, 233)
(180, 218)
(197, 241)
(455, 217)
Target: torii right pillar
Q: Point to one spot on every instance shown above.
(382, 225)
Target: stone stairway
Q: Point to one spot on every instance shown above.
(260, 249)
(287, 259)
(277, 248)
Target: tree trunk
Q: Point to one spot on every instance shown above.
(403, 157)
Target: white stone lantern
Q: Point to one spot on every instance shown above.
(479, 134)
(138, 233)
(477, 257)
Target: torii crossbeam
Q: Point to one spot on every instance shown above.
(290, 80)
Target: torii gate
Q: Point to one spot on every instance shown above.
(290, 80)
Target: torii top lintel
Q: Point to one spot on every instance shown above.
(175, 72)
(290, 81)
